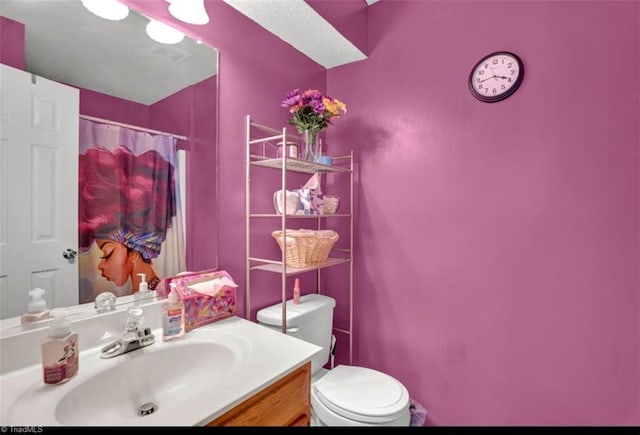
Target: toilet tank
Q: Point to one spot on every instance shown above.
(311, 320)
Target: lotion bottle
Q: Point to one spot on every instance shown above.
(172, 316)
(37, 309)
(59, 350)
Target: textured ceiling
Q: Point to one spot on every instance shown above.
(298, 24)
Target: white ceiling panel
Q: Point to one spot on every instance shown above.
(298, 24)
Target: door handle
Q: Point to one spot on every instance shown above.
(70, 254)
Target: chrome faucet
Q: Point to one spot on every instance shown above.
(134, 336)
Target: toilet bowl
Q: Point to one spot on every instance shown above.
(345, 395)
(359, 396)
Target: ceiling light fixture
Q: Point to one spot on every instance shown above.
(107, 9)
(163, 33)
(189, 11)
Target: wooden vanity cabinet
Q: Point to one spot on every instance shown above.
(286, 402)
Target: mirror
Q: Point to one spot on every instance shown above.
(116, 61)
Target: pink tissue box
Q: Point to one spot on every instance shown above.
(202, 309)
(162, 291)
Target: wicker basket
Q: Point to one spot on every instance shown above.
(306, 247)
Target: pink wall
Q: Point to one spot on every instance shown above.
(11, 43)
(116, 109)
(256, 70)
(173, 114)
(202, 205)
(498, 244)
(191, 113)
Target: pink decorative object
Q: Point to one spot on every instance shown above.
(201, 309)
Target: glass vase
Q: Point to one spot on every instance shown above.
(311, 143)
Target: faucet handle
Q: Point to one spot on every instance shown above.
(105, 301)
(133, 319)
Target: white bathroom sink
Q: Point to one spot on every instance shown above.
(148, 383)
(185, 382)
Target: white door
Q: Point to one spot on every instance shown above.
(38, 190)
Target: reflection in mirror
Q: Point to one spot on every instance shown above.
(132, 93)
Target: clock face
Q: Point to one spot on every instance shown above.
(496, 77)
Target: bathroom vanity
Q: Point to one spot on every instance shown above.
(284, 403)
(230, 372)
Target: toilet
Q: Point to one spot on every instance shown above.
(345, 395)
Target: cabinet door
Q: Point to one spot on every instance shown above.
(287, 402)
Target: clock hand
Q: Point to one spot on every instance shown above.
(488, 78)
(494, 74)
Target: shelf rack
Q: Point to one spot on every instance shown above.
(258, 150)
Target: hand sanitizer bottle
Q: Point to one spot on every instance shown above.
(37, 309)
(59, 350)
(172, 316)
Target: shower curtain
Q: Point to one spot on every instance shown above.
(130, 222)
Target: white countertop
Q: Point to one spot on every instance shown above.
(265, 356)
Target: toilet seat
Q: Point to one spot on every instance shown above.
(360, 395)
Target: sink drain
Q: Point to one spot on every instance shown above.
(147, 409)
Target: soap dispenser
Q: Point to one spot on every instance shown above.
(37, 309)
(172, 316)
(143, 288)
(59, 350)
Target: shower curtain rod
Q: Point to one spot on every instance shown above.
(133, 127)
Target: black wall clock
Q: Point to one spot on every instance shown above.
(496, 76)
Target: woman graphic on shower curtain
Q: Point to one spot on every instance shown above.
(129, 216)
